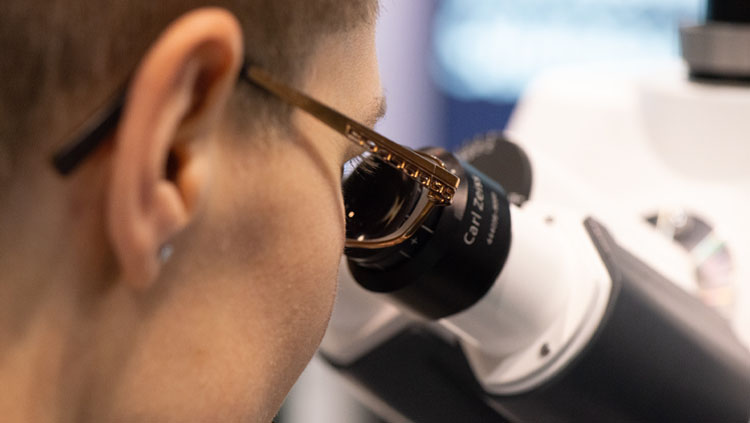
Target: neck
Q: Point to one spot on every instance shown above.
(43, 303)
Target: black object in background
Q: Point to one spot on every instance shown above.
(730, 11)
(502, 161)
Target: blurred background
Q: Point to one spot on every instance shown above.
(454, 68)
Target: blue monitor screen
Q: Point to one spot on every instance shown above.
(490, 49)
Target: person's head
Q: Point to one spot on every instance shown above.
(95, 323)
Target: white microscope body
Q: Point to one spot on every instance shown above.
(650, 144)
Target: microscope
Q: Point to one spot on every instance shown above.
(541, 295)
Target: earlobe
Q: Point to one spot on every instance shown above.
(162, 159)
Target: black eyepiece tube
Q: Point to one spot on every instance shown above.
(454, 258)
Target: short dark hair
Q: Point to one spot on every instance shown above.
(60, 58)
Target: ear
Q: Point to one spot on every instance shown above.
(162, 162)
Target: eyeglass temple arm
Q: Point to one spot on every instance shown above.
(93, 133)
(430, 174)
(433, 176)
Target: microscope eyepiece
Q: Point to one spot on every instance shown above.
(467, 241)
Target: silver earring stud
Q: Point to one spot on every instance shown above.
(165, 252)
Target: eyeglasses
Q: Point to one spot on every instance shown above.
(387, 195)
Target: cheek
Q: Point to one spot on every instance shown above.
(316, 245)
(309, 241)
(307, 256)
